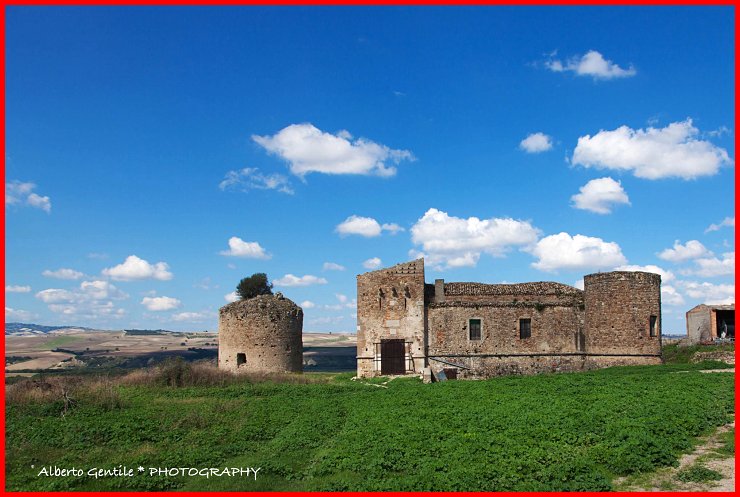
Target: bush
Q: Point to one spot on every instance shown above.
(698, 474)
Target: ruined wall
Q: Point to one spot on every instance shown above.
(547, 292)
(698, 324)
(619, 306)
(267, 330)
(390, 305)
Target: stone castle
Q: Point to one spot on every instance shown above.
(261, 334)
(476, 330)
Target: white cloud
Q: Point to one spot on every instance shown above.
(665, 275)
(55, 295)
(372, 263)
(63, 274)
(250, 178)
(448, 241)
(709, 293)
(39, 202)
(579, 284)
(292, 280)
(240, 248)
(535, 143)
(17, 193)
(332, 266)
(191, 316)
(99, 290)
(17, 288)
(654, 153)
(97, 255)
(160, 303)
(365, 226)
(307, 304)
(18, 315)
(599, 195)
(563, 251)
(231, 297)
(309, 150)
(92, 299)
(669, 296)
(728, 221)
(679, 253)
(358, 225)
(341, 298)
(591, 64)
(135, 268)
(392, 228)
(712, 266)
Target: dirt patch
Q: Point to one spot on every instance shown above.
(709, 454)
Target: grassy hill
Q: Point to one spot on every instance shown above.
(574, 431)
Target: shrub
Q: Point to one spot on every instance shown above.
(698, 473)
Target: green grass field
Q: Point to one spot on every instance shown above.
(551, 432)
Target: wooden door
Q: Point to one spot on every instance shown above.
(392, 357)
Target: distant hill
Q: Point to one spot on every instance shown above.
(35, 329)
(30, 329)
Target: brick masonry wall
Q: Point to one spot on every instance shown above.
(267, 329)
(390, 305)
(554, 328)
(618, 309)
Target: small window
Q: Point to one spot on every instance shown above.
(525, 328)
(474, 327)
(241, 359)
(653, 326)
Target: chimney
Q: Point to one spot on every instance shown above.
(439, 291)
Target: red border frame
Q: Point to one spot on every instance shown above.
(5, 3)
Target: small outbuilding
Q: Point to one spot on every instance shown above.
(708, 323)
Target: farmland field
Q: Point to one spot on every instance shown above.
(576, 431)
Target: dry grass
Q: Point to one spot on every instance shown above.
(178, 373)
(67, 391)
(104, 391)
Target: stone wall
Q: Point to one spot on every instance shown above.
(390, 305)
(554, 328)
(267, 330)
(619, 306)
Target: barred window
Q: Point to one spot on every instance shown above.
(474, 327)
(525, 328)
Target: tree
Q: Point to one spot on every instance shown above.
(253, 286)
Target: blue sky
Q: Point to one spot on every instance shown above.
(155, 156)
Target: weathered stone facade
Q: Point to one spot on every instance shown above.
(481, 330)
(391, 302)
(262, 334)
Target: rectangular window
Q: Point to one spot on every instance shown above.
(525, 328)
(474, 327)
(653, 326)
(241, 359)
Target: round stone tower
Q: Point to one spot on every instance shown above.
(261, 334)
(622, 315)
